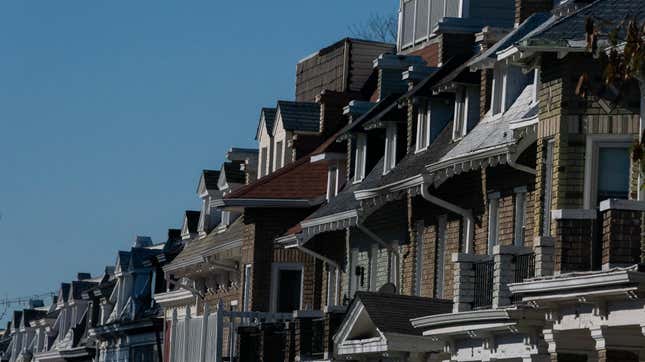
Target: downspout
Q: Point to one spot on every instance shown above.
(324, 259)
(469, 224)
(640, 191)
(382, 242)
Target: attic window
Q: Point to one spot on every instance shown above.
(360, 158)
(263, 161)
(461, 110)
(332, 181)
(508, 82)
(423, 127)
(279, 154)
(390, 148)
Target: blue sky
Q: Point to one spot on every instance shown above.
(110, 109)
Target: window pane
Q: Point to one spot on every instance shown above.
(423, 6)
(613, 173)
(436, 12)
(408, 21)
(288, 291)
(278, 155)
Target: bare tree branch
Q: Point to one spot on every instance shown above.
(377, 27)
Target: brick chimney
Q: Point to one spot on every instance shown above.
(331, 110)
(525, 8)
(390, 72)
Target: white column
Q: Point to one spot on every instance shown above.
(186, 334)
(219, 328)
(202, 344)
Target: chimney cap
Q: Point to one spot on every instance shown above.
(142, 242)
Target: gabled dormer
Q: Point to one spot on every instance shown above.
(189, 225)
(248, 161)
(264, 136)
(207, 190)
(294, 120)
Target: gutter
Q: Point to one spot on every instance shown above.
(467, 215)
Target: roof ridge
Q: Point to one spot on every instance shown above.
(564, 18)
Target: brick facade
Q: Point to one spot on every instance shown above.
(621, 237)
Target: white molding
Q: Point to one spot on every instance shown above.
(593, 143)
(619, 204)
(328, 156)
(574, 214)
(329, 219)
(275, 269)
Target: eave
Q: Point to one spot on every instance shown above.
(397, 186)
(175, 297)
(269, 203)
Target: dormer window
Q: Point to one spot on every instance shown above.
(279, 154)
(466, 111)
(390, 148)
(508, 83)
(423, 127)
(333, 180)
(264, 154)
(360, 157)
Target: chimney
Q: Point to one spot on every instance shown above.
(525, 8)
(331, 110)
(36, 303)
(390, 68)
(417, 73)
(142, 242)
(174, 235)
(83, 276)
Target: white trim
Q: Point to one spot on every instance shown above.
(327, 156)
(270, 202)
(493, 221)
(519, 217)
(573, 214)
(619, 204)
(423, 121)
(275, 269)
(594, 143)
(361, 151)
(389, 160)
(246, 287)
(329, 219)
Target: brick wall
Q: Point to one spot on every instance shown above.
(573, 245)
(621, 237)
(262, 226)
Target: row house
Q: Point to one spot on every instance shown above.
(207, 268)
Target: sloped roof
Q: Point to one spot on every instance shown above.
(569, 31)
(298, 180)
(300, 116)
(392, 312)
(192, 219)
(494, 131)
(269, 118)
(233, 172)
(413, 164)
(202, 247)
(210, 179)
(532, 23)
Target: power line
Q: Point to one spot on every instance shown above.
(7, 303)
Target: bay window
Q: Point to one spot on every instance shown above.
(607, 169)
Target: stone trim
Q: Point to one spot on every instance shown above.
(619, 204)
(574, 214)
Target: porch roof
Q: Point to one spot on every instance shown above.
(196, 251)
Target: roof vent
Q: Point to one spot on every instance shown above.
(83, 276)
(142, 242)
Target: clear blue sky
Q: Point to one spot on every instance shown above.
(110, 109)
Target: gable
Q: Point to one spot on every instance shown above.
(278, 127)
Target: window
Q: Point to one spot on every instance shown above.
(607, 169)
(419, 259)
(246, 292)
(279, 154)
(498, 86)
(548, 187)
(493, 221)
(263, 161)
(393, 276)
(423, 127)
(143, 354)
(420, 17)
(441, 256)
(287, 287)
(461, 110)
(508, 82)
(333, 177)
(390, 148)
(374, 251)
(332, 286)
(520, 215)
(360, 158)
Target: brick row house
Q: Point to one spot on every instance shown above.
(466, 194)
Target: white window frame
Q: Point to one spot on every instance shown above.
(332, 187)
(264, 157)
(549, 150)
(333, 286)
(493, 221)
(519, 219)
(393, 275)
(462, 9)
(373, 267)
(460, 121)
(423, 122)
(275, 272)
(594, 143)
(390, 148)
(497, 90)
(246, 291)
(361, 154)
(280, 146)
(442, 227)
(536, 85)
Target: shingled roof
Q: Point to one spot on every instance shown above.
(210, 179)
(198, 249)
(233, 172)
(391, 313)
(300, 116)
(569, 31)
